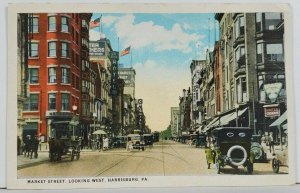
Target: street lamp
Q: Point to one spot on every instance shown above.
(236, 106)
(74, 107)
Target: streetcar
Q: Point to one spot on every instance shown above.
(155, 136)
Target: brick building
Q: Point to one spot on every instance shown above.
(56, 56)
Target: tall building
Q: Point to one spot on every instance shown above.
(56, 57)
(195, 68)
(185, 112)
(22, 68)
(99, 57)
(174, 121)
(254, 70)
(128, 75)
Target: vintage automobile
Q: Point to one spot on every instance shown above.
(148, 138)
(231, 146)
(135, 141)
(201, 140)
(119, 141)
(258, 150)
(281, 157)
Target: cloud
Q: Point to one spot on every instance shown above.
(95, 35)
(160, 86)
(148, 34)
(109, 20)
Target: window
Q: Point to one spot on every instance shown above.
(31, 103)
(269, 79)
(274, 52)
(240, 56)
(51, 101)
(267, 21)
(258, 19)
(84, 24)
(64, 49)
(65, 75)
(33, 75)
(51, 49)
(33, 49)
(51, 23)
(239, 27)
(64, 24)
(33, 24)
(259, 53)
(52, 75)
(272, 20)
(241, 90)
(65, 102)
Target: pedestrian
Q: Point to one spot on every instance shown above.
(271, 143)
(34, 145)
(18, 145)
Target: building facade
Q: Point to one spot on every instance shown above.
(99, 57)
(22, 68)
(253, 73)
(195, 68)
(54, 72)
(174, 121)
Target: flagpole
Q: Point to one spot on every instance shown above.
(100, 27)
(131, 56)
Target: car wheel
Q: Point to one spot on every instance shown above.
(275, 165)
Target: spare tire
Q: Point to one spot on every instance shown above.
(237, 147)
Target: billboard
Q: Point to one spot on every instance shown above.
(96, 48)
(127, 76)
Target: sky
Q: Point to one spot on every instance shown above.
(162, 49)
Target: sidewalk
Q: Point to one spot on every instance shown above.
(43, 156)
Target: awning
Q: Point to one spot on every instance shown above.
(224, 120)
(280, 120)
(60, 122)
(207, 127)
(284, 126)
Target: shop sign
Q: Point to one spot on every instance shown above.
(272, 111)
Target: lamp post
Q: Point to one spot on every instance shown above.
(74, 107)
(237, 116)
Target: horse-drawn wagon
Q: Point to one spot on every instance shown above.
(64, 147)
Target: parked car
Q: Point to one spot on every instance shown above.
(257, 148)
(148, 138)
(232, 147)
(135, 141)
(120, 141)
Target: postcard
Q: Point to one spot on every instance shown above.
(149, 95)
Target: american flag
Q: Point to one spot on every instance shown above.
(125, 51)
(95, 23)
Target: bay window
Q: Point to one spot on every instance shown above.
(241, 88)
(64, 24)
(267, 21)
(51, 23)
(51, 49)
(239, 27)
(64, 49)
(65, 75)
(65, 101)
